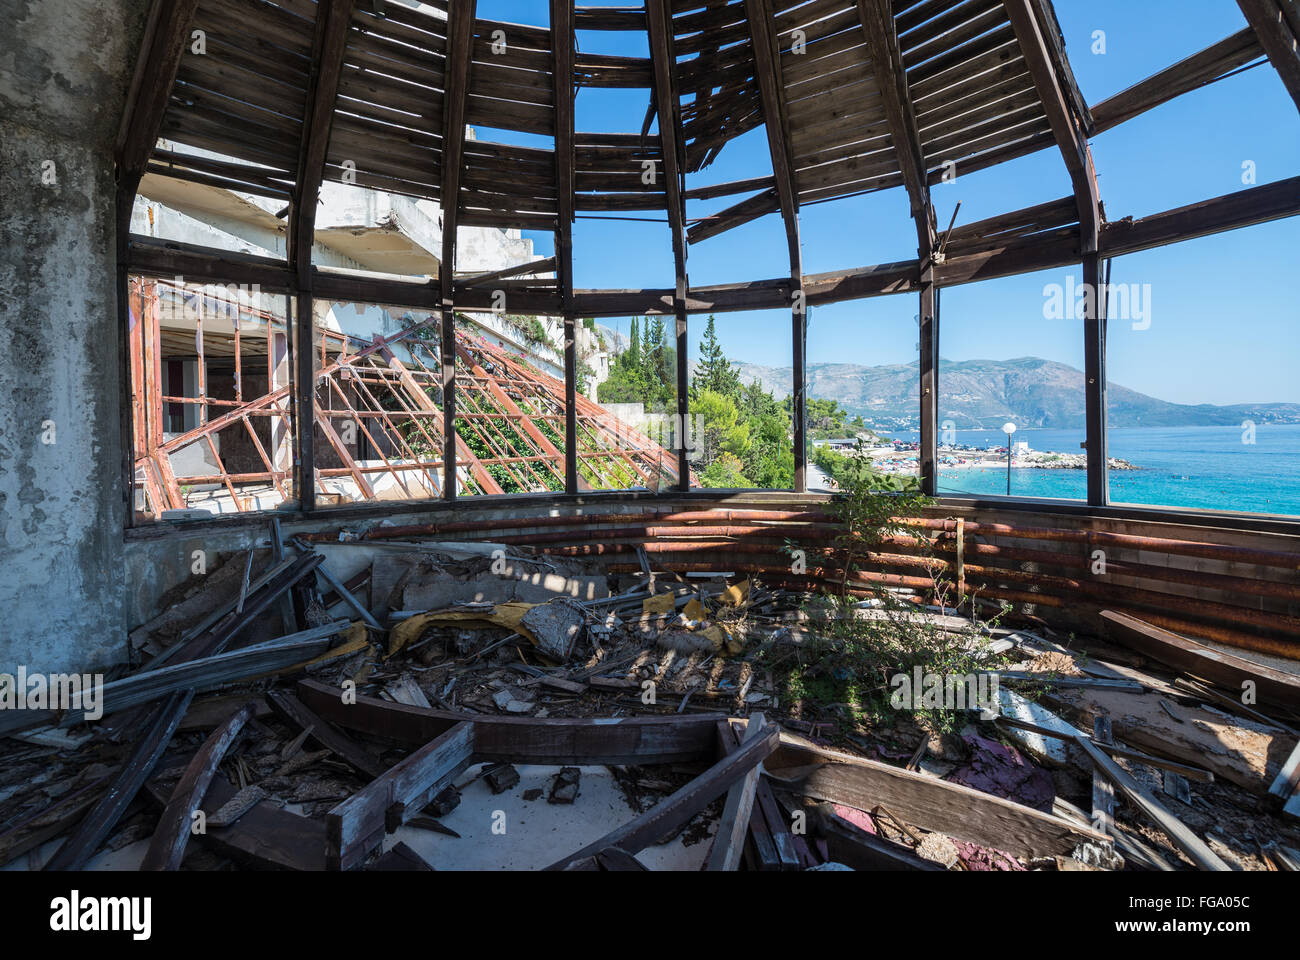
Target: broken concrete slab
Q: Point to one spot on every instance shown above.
(564, 788)
(414, 582)
(557, 626)
(500, 777)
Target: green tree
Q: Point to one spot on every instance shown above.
(646, 372)
(725, 473)
(634, 346)
(661, 364)
(720, 429)
(714, 371)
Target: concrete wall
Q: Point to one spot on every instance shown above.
(64, 69)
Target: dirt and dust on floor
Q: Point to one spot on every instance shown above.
(443, 705)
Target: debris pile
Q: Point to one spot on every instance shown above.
(310, 706)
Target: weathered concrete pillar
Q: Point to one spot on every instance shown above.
(64, 69)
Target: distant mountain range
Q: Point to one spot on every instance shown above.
(984, 394)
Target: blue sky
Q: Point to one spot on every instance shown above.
(1225, 320)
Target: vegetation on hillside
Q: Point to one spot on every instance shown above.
(646, 372)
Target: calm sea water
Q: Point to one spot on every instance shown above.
(1202, 467)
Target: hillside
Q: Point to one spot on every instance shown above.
(984, 394)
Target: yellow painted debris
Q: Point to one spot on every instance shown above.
(506, 615)
(661, 603)
(735, 595)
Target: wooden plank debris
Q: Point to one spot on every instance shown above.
(1103, 791)
(1064, 731)
(673, 812)
(729, 840)
(401, 858)
(193, 675)
(345, 748)
(641, 740)
(167, 848)
(930, 803)
(1181, 837)
(1229, 671)
(77, 850)
(854, 847)
(357, 825)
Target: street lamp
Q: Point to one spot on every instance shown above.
(1008, 428)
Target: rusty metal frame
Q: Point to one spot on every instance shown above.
(512, 413)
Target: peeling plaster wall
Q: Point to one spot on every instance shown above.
(64, 69)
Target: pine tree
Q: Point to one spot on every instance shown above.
(714, 371)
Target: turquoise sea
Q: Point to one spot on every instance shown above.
(1201, 467)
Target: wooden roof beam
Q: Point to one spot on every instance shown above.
(1066, 127)
(460, 55)
(332, 20)
(460, 44)
(563, 46)
(151, 88)
(668, 106)
(1276, 36)
(771, 89)
(881, 32)
(1190, 73)
(1051, 29)
(882, 40)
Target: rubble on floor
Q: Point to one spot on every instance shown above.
(315, 709)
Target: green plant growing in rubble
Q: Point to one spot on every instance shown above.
(846, 661)
(871, 508)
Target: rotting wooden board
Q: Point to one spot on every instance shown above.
(267, 836)
(215, 670)
(854, 847)
(925, 802)
(214, 711)
(357, 825)
(729, 841)
(639, 740)
(676, 810)
(1272, 686)
(1059, 732)
(1232, 748)
(401, 858)
(167, 847)
(77, 850)
(52, 820)
(292, 709)
(775, 830)
(771, 845)
(1178, 833)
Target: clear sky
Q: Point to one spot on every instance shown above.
(1224, 314)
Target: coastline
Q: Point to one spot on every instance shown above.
(891, 461)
